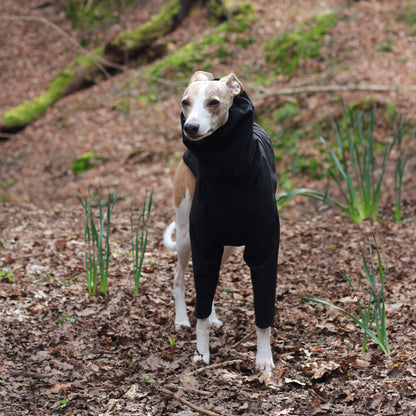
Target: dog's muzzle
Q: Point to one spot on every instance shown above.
(191, 129)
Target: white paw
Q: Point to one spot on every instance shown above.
(264, 362)
(179, 325)
(264, 356)
(181, 322)
(201, 357)
(215, 322)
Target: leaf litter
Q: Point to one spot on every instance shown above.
(64, 352)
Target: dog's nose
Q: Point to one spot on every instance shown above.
(191, 128)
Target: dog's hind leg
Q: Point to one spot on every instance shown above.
(228, 251)
(183, 246)
(213, 319)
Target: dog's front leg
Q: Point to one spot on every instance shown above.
(264, 357)
(202, 340)
(213, 319)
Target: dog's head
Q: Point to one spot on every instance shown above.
(206, 103)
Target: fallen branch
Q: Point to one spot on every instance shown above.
(174, 387)
(212, 366)
(309, 89)
(84, 69)
(186, 402)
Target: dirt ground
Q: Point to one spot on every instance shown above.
(63, 351)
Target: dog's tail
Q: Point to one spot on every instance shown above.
(167, 236)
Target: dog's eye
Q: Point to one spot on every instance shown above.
(214, 103)
(185, 103)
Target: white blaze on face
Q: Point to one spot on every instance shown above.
(199, 114)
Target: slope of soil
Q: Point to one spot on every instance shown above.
(63, 351)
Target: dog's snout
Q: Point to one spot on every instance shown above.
(191, 128)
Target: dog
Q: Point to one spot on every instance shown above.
(224, 196)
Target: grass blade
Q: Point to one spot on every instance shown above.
(96, 255)
(354, 170)
(372, 313)
(354, 319)
(139, 250)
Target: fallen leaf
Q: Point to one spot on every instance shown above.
(60, 387)
(324, 370)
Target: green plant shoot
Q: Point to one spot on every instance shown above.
(355, 172)
(172, 341)
(399, 170)
(139, 247)
(372, 312)
(97, 244)
(8, 274)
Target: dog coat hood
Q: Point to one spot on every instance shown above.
(234, 204)
(228, 154)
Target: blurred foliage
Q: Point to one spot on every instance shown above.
(408, 16)
(288, 50)
(295, 136)
(83, 163)
(31, 110)
(146, 33)
(85, 14)
(201, 52)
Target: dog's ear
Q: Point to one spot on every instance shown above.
(201, 76)
(233, 83)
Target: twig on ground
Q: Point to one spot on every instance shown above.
(249, 335)
(186, 402)
(212, 366)
(174, 387)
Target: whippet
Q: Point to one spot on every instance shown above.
(224, 196)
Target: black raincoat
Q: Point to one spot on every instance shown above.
(233, 205)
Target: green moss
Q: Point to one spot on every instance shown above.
(389, 112)
(89, 60)
(219, 9)
(365, 104)
(296, 141)
(85, 15)
(142, 36)
(242, 16)
(384, 47)
(200, 52)
(31, 110)
(83, 163)
(408, 15)
(231, 10)
(183, 62)
(289, 50)
(148, 32)
(289, 135)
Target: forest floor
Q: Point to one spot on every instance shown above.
(63, 351)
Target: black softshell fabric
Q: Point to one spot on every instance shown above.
(234, 204)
